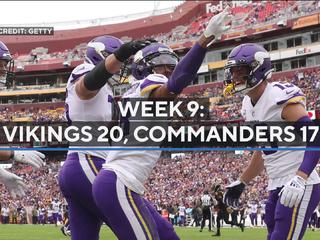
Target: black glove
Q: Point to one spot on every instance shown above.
(130, 48)
(232, 195)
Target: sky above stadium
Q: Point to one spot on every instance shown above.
(27, 12)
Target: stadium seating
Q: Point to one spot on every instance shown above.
(255, 13)
(175, 179)
(223, 108)
(171, 180)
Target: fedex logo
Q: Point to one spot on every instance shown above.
(213, 7)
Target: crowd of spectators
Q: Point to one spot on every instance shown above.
(31, 115)
(309, 82)
(245, 17)
(184, 178)
(42, 189)
(176, 182)
(228, 108)
(220, 109)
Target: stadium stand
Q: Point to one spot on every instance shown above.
(259, 13)
(175, 180)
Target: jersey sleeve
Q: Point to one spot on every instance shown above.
(150, 83)
(289, 93)
(285, 94)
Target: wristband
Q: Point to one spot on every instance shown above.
(97, 77)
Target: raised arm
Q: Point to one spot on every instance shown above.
(186, 70)
(89, 84)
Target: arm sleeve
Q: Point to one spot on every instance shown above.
(186, 70)
(311, 158)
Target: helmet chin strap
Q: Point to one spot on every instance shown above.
(248, 89)
(242, 88)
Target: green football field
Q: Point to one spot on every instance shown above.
(50, 232)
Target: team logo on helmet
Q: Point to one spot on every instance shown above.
(261, 56)
(97, 46)
(100, 47)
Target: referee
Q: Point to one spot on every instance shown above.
(206, 203)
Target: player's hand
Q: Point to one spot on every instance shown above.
(232, 195)
(33, 158)
(130, 48)
(291, 194)
(218, 24)
(13, 183)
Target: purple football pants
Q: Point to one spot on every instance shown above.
(254, 219)
(286, 223)
(75, 180)
(129, 215)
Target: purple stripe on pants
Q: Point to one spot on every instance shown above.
(143, 223)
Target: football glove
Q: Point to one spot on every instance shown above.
(13, 183)
(232, 195)
(291, 194)
(130, 48)
(218, 24)
(33, 158)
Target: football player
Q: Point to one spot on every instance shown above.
(55, 206)
(42, 215)
(14, 183)
(223, 212)
(118, 189)
(253, 213)
(294, 189)
(89, 98)
(65, 229)
(50, 219)
(262, 211)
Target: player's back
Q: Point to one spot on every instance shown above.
(96, 109)
(280, 165)
(206, 200)
(134, 167)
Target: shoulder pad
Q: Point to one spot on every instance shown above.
(152, 82)
(287, 93)
(79, 71)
